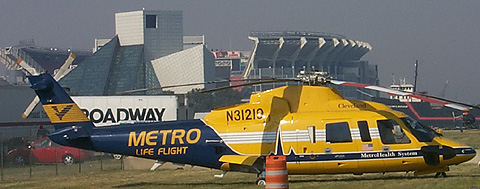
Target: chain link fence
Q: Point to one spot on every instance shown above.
(23, 158)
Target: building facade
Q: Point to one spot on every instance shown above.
(160, 32)
(148, 51)
(112, 69)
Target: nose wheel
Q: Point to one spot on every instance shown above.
(261, 179)
(260, 182)
(440, 175)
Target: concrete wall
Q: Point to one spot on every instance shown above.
(193, 65)
(129, 27)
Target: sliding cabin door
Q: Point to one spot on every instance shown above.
(399, 148)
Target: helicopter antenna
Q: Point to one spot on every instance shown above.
(416, 77)
(444, 90)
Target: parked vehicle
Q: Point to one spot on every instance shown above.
(46, 151)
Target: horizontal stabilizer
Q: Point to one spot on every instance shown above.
(74, 133)
(239, 159)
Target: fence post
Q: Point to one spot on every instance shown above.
(2, 155)
(56, 163)
(101, 161)
(121, 164)
(30, 160)
(79, 162)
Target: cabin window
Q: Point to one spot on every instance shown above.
(311, 134)
(338, 132)
(364, 132)
(391, 132)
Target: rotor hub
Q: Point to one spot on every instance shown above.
(314, 78)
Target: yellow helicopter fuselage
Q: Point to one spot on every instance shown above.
(320, 132)
(315, 128)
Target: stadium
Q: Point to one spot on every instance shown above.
(284, 54)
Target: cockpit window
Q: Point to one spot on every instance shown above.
(391, 132)
(422, 133)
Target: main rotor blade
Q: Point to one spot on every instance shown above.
(247, 84)
(163, 87)
(185, 85)
(427, 98)
(451, 101)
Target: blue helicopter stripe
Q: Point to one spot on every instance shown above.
(353, 156)
(377, 155)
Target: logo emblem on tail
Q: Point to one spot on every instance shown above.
(62, 113)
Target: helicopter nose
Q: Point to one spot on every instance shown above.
(431, 154)
(467, 151)
(465, 154)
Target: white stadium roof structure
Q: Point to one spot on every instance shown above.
(284, 54)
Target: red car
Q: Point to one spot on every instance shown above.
(43, 151)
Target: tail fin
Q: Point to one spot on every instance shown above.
(58, 105)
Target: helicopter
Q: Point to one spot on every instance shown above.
(313, 126)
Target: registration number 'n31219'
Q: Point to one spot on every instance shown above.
(245, 114)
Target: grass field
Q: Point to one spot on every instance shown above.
(470, 137)
(462, 176)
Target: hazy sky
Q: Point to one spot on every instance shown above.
(443, 35)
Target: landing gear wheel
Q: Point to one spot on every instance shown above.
(68, 159)
(260, 182)
(440, 175)
(117, 156)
